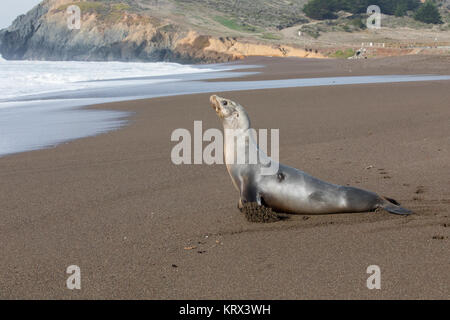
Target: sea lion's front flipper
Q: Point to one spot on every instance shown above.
(249, 193)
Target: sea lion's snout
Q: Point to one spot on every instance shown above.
(223, 107)
(215, 104)
(213, 99)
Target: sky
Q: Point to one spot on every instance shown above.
(10, 9)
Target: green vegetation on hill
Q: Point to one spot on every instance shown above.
(87, 7)
(234, 25)
(327, 9)
(428, 13)
(278, 14)
(321, 9)
(271, 36)
(343, 54)
(110, 11)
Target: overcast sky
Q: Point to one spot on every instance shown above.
(10, 9)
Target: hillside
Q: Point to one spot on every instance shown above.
(200, 31)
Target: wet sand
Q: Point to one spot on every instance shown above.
(140, 227)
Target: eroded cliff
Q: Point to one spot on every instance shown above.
(111, 30)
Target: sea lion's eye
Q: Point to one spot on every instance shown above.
(225, 103)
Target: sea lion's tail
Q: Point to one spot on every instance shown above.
(392, 206)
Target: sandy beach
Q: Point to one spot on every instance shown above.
(140, 227)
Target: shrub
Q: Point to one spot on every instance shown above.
(321, 9)
(326, 9)
(428, 13)
(343, 54)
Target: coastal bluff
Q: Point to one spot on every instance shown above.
(116, 31)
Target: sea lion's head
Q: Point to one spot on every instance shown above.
(232, 114)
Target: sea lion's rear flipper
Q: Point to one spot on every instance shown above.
(398, 210)
(393, 207)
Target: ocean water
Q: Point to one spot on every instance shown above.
(31, 118)
(41, 103)
(21, 78)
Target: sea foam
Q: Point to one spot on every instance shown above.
(21, 78)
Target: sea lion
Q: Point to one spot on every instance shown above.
(289, 190)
